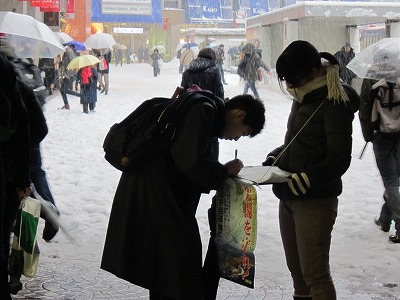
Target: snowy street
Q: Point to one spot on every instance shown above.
(364, 263)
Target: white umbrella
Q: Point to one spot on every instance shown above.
(160, 48)
(29, 37)
(100, 40)
(379, 60)
(63, 37)
(120, 47)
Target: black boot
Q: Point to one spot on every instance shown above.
(301, 298)
(86, 108)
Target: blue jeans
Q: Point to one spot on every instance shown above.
(38, 175)
(252, 86)
(387, 155)
(306, 227)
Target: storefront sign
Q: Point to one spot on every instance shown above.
(128, 30)
(127, 7)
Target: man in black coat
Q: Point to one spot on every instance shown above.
(344, 56)
(153, 239)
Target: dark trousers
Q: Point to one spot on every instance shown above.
(211, 274)
(221, 70)
(66, 88)
(4, 239)
(306, 228)
(38, 175)
(8, 212)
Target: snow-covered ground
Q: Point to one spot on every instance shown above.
(364, 263)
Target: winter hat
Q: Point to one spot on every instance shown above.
(347, 45)
(298, 60)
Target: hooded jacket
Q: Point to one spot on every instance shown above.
(250, 63)
(204, 73)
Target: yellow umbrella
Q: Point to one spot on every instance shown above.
(83, 61)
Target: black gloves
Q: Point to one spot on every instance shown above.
(269, 161)
(299, 183)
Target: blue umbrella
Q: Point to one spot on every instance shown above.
(77, 45)
(190, 45)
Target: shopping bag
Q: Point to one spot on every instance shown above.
(236, 231)
(260, 74)
(25, 250)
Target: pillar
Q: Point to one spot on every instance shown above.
(290, 31)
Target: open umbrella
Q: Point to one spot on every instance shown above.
(379, 60)
(100, 40)
(233, 50)
(29, 37)
(179, 46)
(83, 61)
(161, 49)
(120, 47)
(78, 46)
(186, 45)
(63, 37)
(190, 45)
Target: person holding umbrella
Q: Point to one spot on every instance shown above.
(155, 57)
(87, 77)
(104, 73)
(379, 117)
(68, 76)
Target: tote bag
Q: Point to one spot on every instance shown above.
(24, 241)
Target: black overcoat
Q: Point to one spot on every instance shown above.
(153, 238)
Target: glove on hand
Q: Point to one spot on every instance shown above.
(269, 161)
(299, 183)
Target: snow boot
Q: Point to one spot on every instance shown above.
(395, 238)
(385, 227)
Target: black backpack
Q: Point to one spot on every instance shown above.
(149, 130)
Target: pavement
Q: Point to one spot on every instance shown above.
(82, 279)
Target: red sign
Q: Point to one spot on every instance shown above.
(54, 7)
(46, 4)
(165, 23)
(70, 6)
(35, 3)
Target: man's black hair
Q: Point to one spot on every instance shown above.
(254, 108)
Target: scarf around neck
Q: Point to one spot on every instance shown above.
(331, 79)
